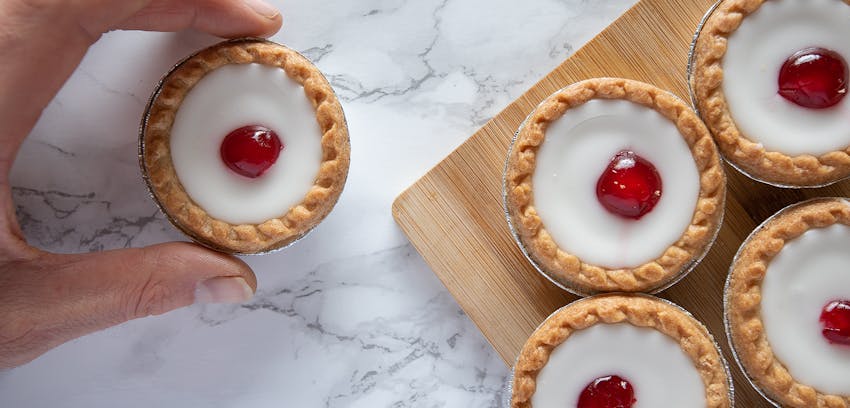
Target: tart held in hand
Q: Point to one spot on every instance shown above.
(614, 185)
(244, 146)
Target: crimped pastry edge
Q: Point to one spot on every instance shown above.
(567, 269)
(742, 301)
(749, 157)
(169, 194)
(636, 309)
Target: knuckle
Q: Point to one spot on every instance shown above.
(15, 330)
(21, 340)
(154, 298)
(24, 332)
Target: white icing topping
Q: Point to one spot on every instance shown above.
(660, 373)
(755, 54)
(578, 148)
(224, 100)
(808, 273)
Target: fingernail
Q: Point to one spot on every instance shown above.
(262, 8)
(223, 290)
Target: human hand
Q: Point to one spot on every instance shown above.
(47, 299)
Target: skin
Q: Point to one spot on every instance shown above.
(47, 299)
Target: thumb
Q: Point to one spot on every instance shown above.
(56, 298)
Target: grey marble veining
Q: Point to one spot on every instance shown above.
(351, 316)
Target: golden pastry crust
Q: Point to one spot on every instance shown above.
(568, 268)
(706, 83)
(743, 301)
(638, 310)
(169, 193)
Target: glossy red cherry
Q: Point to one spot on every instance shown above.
(835, 320)
(814, 78)
(251, 150)
(607, 392)
(630, 186)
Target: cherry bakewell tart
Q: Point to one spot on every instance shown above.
(244, 146)
(614, 185)
(624, 351)
(770, 77)
(788, 305)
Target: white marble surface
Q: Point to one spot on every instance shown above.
(351, 316)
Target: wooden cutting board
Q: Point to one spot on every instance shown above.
(454, 216)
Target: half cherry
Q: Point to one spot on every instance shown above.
(630, 186)
(814, 78)
(607, 392)
(251, 150)
(835, 320)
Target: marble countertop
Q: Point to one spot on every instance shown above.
(350, 316)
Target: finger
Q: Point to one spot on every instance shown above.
(43, 41)
(62, 297)
(224, 18)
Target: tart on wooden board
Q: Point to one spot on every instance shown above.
(770, 79)
(614, 185)
(621, 350)
(788, 305)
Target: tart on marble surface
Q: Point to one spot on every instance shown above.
(788, 305)
(614, 185)
(244, 146)
(609, 351)
(770, 78)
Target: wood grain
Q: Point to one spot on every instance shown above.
(454, 215)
